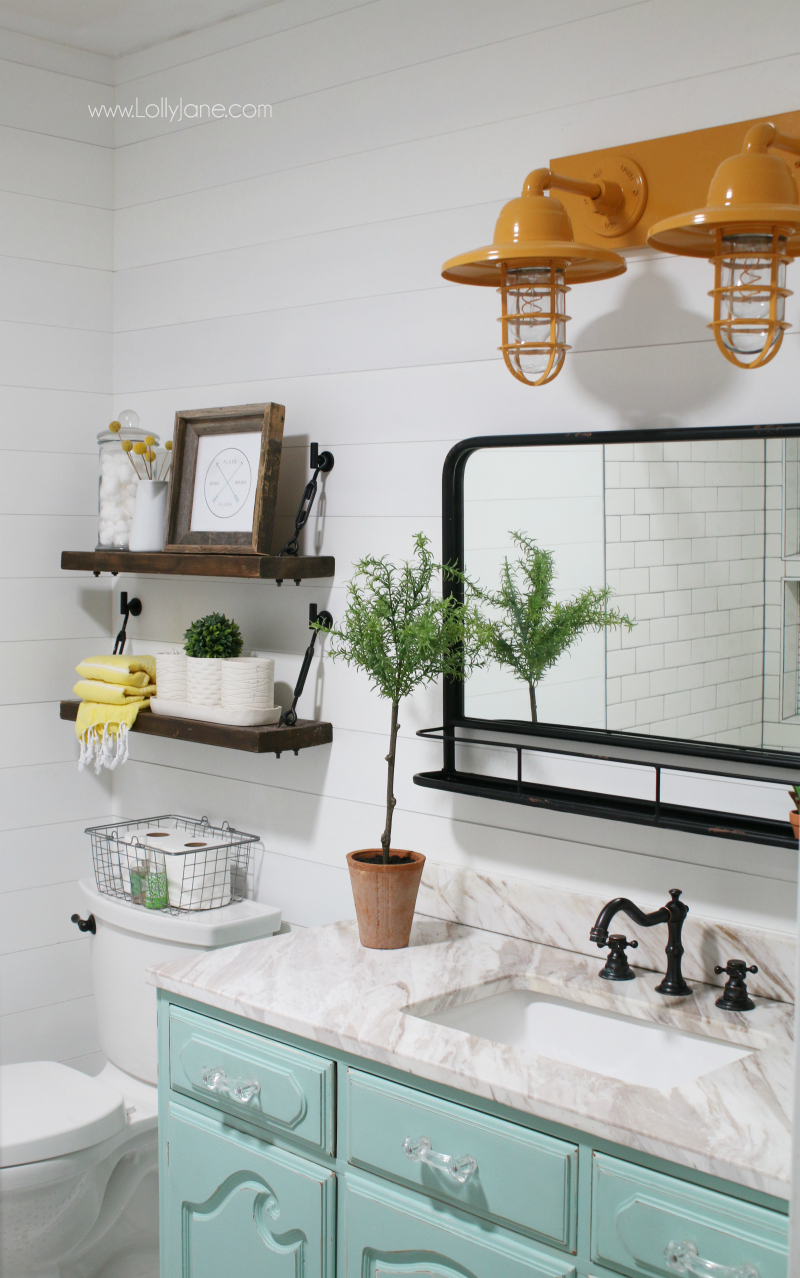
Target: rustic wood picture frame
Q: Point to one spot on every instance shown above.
(238, 420)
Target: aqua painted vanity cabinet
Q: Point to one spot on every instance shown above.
(284, 1159)
(237, 1206)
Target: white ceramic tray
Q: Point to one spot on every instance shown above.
(214, 714)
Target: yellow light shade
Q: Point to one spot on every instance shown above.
(533, 230)
(532, 261)
(749, 230)
(752, 192)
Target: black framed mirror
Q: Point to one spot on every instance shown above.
(685, 712)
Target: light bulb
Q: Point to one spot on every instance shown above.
(534, 322)
(750, 292)
(129, 419)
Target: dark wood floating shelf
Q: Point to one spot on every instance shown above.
(263, 567)
(266, 740)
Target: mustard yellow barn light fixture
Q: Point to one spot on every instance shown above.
(748, 229)
(533, 261)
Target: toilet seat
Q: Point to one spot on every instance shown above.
(48, 1110)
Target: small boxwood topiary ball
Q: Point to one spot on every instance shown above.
(213, 636)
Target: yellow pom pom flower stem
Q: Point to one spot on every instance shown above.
(165, 465)
(139, 450)
(127, 448)
(115, 427)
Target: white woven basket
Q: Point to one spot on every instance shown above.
(204, 680)
(248, 682)
(171, 675)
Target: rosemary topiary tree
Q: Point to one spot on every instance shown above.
(404, 636)
(213, 636)
(533, 631)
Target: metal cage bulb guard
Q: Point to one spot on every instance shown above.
(748, 229)
(533, 261)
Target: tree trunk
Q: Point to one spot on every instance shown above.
(391, 801)
(532, 691)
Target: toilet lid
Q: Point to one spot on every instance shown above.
(48, 1109)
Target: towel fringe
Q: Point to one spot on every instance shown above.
(106, 751)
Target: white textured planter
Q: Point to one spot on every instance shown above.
(248, 683)
(149, 515)
(204, 680)
(171, 676)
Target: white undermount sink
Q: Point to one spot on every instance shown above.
(618, 1046)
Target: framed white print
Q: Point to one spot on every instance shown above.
(225, 480)
(224, 485)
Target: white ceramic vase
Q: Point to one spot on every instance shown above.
(171, 676)
(204, 680)
(248, 683)
(149, 515)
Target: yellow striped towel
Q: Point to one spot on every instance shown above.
(136, 672)
(103, 733)
(114, 690)
(112, 694)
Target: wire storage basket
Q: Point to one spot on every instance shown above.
(172, 863)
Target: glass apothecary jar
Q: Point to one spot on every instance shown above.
(117, 480)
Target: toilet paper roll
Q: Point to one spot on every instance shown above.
(197, 883)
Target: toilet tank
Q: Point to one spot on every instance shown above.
(131, 938)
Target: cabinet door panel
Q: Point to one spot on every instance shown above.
(391, 1233)
(233, 1204)
(636, 1213)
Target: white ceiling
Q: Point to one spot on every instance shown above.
(114, 27)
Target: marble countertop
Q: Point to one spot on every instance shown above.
(323, 986)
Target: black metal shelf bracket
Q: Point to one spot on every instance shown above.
(321, 464)
(128, 608)
(317, 621)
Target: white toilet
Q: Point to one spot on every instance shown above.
(79, 1155)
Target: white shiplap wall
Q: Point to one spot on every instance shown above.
(56, 259)
(298, 259)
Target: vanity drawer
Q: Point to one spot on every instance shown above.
(391, 1233)
(523, 1179)
(294, 1090)
(636, 1213)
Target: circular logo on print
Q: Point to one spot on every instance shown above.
(227, 484)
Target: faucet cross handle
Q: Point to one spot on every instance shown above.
(617, 967)
(735, 997)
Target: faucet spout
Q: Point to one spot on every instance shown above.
(673, 914)
(621, 905)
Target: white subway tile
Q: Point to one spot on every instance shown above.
(649, 501)
(664, 578)
(620, 501)
(650, 658)
(621, 716)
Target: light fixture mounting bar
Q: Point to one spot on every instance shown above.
(678, 169)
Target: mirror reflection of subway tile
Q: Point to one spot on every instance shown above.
(692, 537)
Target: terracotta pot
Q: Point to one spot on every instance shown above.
(385, 896)
(794, 817)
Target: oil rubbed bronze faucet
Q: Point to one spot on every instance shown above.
(673, 914)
